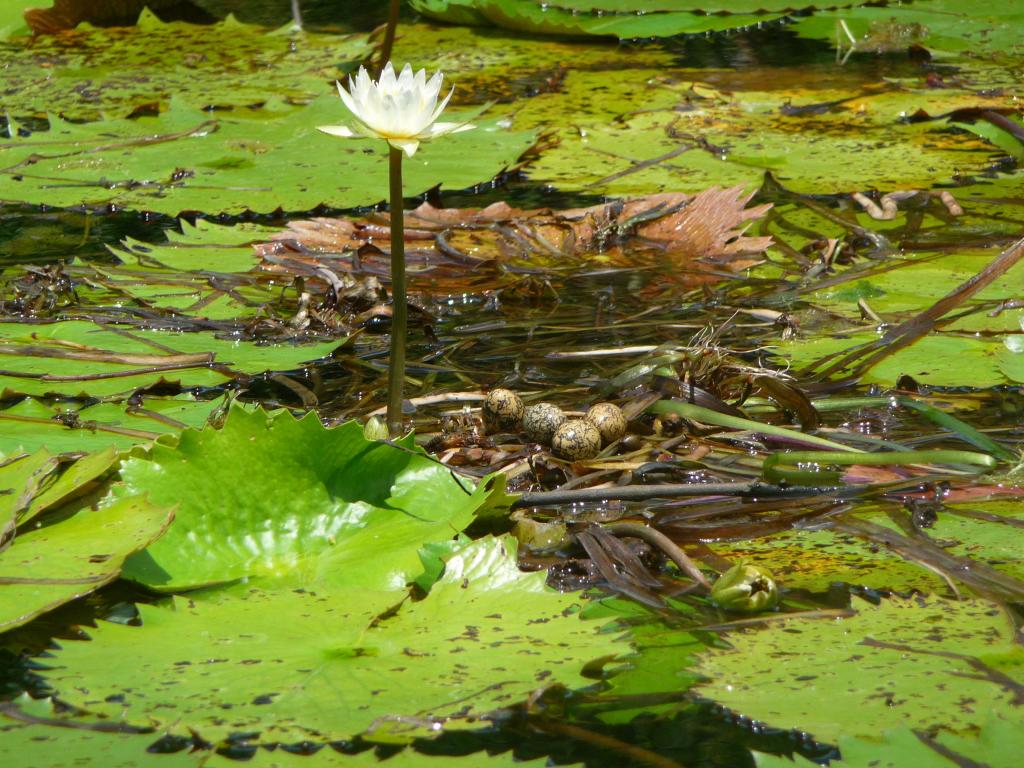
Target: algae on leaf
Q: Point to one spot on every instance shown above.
(655, 131)
(102, 73)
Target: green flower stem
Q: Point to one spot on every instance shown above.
(399, 305)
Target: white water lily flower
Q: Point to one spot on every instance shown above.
(402, 110)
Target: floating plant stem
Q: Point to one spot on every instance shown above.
(389, 35)
(708, 416)
(771, 470)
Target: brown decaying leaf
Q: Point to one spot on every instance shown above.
(708, 226)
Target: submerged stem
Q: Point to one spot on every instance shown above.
(399, 306)
(389, 36)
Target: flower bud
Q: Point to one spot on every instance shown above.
(375, 429)
(745, 588)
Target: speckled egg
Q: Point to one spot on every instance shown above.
(576, 439)
(503, 411)
(541, 420)
(609, 420)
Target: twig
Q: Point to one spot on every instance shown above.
(639, 165)
(667, 490)
(664, 543)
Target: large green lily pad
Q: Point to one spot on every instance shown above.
(323, 529)
(327, 663)
(276, 497)
(922, 662)
(614, 18)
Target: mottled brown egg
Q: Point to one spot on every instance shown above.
(609, 420)
(576, 439)
(541, 420)
(503, 411)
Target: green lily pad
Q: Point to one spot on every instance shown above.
(506, 65)
(983, 531)
(72, 481)
(94, 72)
(937, 360)
(997, 742)
(65, 559)
(78, 357)
(645, 132)
(261, 160)
(69, 747)
(64, 743)
(323, 663)
(615, 18)
(976, 340)
(12, 18)
(661, 665)
(289, 499)
(921, 662)
(984, 31)
(21, 477)
(30, 424)
(814, 560)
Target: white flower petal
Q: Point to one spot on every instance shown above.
(387, 77)
(441, 106)
(401, 108)
(441, 129)
(338, 130)
(406, 79)
(409, 146)
(348, 100)
(433, 88)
